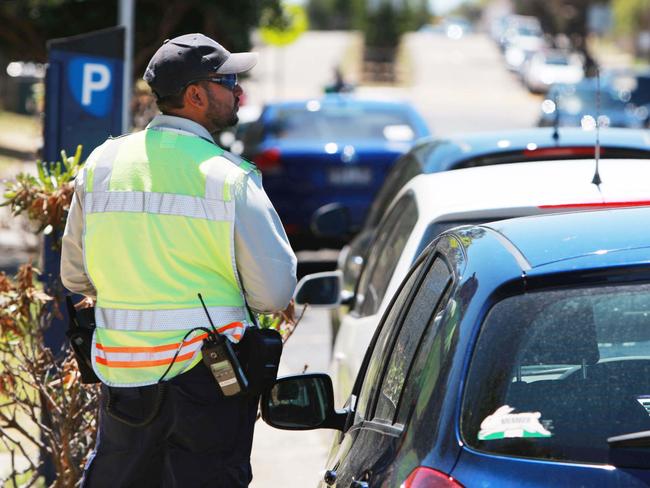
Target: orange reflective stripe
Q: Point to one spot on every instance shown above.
(142, 364)
(230, 326)
(166, 347)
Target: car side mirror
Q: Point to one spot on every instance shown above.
(319, 289)
(302, 402)
(331, 220)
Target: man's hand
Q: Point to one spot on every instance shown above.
(289, 313)
(87, 302)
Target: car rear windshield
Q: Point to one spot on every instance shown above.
(345, 122)
(556, 373)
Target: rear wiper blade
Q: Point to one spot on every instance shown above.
(635, 439)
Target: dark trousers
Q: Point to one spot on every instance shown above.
(200, 438)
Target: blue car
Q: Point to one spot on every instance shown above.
(338, 148)
(515, 353)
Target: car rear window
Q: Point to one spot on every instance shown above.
(556, 373)
(345, 122)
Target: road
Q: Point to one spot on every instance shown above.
(457, 86)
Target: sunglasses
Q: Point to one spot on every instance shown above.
(227, 81)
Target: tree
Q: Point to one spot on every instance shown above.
(28, 24)
(631, 17)
(567, 17)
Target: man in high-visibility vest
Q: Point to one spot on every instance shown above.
(157, 217)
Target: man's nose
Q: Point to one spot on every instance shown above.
(238, 90)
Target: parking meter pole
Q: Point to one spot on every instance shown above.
(83, 105)
(127, 20)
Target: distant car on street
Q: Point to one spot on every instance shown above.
(514, 353)
(580, 104)
(433, 155)
(548, 67)
(522, 39)
(430, 204)
(633, 87)
(337, 148)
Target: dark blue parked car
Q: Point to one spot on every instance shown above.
(338, 148)
(515, 353)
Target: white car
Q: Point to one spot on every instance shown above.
(522, 40)
(431, 203)
(548, 67)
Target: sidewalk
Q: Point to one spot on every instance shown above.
(288, 459)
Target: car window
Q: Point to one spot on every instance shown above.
(417, 317)
(344, 122)
(390, 322)
(384, 254)
(556, 373)
(406, 168)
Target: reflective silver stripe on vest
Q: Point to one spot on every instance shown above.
(179, 319)
(104, 166)
(159, 203)
(214, 179)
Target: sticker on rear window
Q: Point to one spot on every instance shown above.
(503, 424)
(644, 400)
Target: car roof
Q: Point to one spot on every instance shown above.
(338, 100)
(484, 192)
(580, 240)
(535, 143)
(477, 143)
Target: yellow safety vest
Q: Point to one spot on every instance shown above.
(159, 229)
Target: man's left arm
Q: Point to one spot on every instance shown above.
(266, 263)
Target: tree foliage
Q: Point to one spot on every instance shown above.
(631, 16)
(28, 24)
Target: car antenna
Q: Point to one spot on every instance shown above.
(596, 179)
(556, 118)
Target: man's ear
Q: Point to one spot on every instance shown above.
(195, 96)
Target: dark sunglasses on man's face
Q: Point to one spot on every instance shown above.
(227, 81)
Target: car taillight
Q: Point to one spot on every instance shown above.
(423, 477)
(595, 205)
(562, 152)
(269, 160)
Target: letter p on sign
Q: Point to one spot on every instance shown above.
(92, 83)
(96, 78)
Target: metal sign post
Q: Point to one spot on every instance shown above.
(127, 20)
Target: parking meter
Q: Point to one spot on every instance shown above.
(83, 105)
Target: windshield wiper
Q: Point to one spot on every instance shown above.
(635, 439)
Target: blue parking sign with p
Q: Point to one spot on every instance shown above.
(91, 82)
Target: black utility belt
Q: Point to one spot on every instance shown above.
(249, 367)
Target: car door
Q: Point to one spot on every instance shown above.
(374, 434)
(358, 326)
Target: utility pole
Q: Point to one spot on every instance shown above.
(127, 19)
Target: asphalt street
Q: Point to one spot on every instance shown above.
(457, 86)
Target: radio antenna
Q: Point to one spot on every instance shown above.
(596, 179)
(556, 118)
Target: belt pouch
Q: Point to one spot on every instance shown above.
(260, 351)
(81, 326)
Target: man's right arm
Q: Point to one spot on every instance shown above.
(73, 271)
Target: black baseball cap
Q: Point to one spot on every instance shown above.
(192, 57)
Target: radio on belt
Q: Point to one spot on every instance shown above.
(221, 360)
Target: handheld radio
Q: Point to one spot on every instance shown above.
(221, 360)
